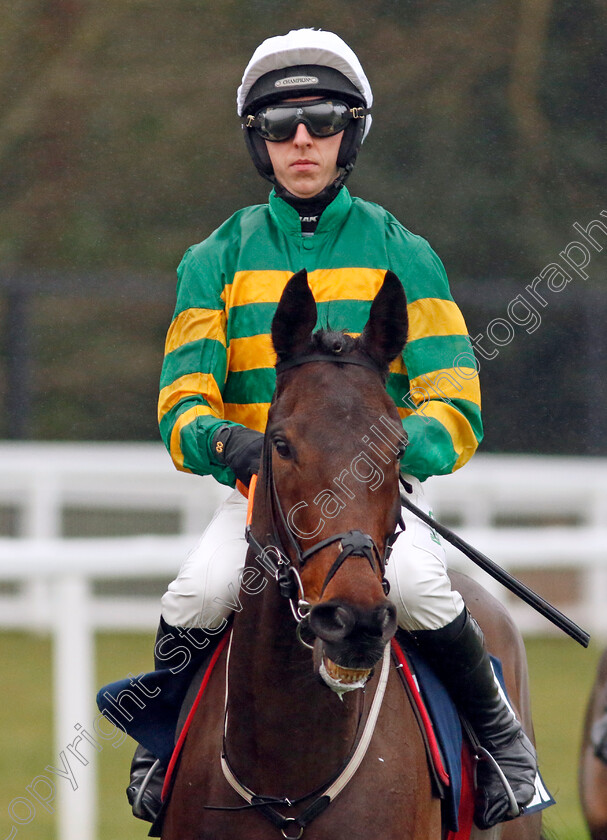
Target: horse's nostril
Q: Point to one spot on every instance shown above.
(390, 612)
(343, 618)
(332, 622)
(387, 620)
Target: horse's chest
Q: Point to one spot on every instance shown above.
(389, 797)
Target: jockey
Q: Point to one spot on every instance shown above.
(305, 105)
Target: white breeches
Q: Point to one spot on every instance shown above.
(206, 589)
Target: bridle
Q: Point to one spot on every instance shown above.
(354, 543)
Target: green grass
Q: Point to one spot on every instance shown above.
(561, 676)
(26, 743)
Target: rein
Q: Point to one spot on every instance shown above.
(354, 543)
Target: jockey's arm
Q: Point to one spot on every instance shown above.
(438, 398)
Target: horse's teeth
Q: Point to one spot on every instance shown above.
(345, 675)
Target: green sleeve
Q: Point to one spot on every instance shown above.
(194, 367)
(440, 389)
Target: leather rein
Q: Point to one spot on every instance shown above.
(354, 543)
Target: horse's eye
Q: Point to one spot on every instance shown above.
(282, 447)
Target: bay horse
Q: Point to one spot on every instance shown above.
(592, 777)
(289, 700)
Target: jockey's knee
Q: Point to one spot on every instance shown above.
(205, 592)
(422, 594)
(193, 610)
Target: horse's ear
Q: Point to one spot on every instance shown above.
(295, 317)
(385, 333)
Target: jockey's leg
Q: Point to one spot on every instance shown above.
(179, 653)
(457, 654)
(205, 592)
(145, 789)
(453, 643)
(195, 610)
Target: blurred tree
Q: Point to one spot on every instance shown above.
(120, 147)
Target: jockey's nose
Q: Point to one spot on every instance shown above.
(334, 622)
(302, 136)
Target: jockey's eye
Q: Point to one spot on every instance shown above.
(282, 447)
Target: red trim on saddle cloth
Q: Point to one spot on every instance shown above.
(423, 712)
(465, 815)
(466, 804)
(205, 681)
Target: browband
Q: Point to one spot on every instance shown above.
(327, 357)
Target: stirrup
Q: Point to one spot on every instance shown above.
(514, 809)
(481, 754)
(137, 804)
(144, 792)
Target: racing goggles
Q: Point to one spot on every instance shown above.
(322, 119)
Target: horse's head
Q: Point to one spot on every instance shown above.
(336, 440)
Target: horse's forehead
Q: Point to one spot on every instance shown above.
(322, 393)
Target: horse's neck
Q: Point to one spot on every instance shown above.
(280, 717)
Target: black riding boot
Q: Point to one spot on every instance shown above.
(457, 654)
(147, 772)
(145, 790)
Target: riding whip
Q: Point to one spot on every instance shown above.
(530, 597)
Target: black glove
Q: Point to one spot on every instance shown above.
(239, 449)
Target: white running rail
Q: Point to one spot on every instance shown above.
(533, 515)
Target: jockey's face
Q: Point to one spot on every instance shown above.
(305, 164)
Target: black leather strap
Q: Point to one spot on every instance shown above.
(328, 357)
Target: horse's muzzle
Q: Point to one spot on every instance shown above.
(350, 639)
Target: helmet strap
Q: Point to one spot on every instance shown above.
(318, 201)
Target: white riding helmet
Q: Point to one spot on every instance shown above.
(304, 62)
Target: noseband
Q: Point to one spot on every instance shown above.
(353, 543)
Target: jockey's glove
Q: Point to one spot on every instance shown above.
(239, 449)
